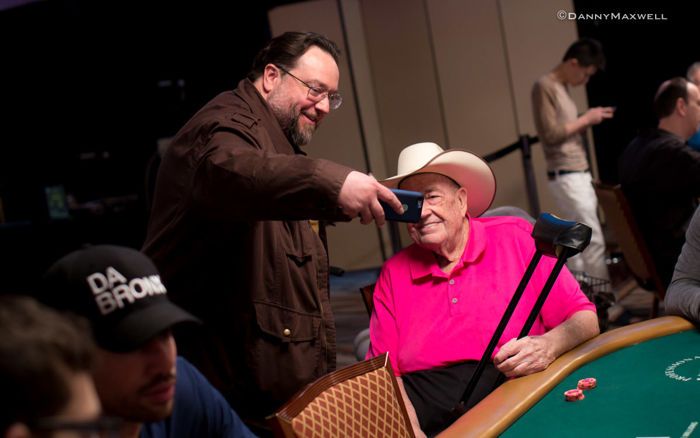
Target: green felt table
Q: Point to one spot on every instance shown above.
(648, 386)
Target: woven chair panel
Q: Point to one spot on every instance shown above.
(364, 406)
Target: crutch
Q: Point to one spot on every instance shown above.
(554, 237)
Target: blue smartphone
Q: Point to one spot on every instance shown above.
(412, 206)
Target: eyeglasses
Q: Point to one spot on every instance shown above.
(104, 427)
(317, 94)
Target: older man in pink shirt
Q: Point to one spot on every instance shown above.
(437, 303)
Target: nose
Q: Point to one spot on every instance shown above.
(161, 350)
(323, 106)
(425, 211)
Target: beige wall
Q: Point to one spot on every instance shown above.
(456, 72)
(404, 74)
(475, 84)
(535, 42)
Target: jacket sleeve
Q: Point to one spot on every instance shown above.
(236, 179)
(544, 111)
(683, 296)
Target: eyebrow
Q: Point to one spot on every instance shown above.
(322, 86)
(317, 83)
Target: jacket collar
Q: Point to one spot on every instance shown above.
(258, 105)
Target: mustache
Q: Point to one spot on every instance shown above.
(309, 114)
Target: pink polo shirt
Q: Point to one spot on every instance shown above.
(425, 318)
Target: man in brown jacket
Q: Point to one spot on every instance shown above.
(230, 230)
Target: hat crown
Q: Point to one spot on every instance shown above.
(463, 167)
(117, 289)
(416, 156)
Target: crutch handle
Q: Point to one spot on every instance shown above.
(551, 234)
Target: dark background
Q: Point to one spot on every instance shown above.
(640, 56)
(88, 87)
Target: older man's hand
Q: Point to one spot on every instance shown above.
(520, 357)
(534, 353)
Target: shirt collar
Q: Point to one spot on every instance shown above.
(422, 261)
(670, 134)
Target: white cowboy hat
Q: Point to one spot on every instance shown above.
(465, 168)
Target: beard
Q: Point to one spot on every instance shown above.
(288, 118)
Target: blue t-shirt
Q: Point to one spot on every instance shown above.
(199, 410)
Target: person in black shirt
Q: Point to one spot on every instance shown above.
(660, 173)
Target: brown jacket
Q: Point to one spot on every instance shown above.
(230, 234)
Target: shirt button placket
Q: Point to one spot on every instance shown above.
(453, 296)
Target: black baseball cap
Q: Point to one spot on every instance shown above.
(118, 290)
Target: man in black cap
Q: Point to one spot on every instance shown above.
(137, 373)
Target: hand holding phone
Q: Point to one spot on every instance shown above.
(412, 206)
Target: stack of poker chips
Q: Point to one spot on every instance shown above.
(583, 385)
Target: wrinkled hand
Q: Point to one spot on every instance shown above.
(360, 195)
(596, 115)
(520, 357)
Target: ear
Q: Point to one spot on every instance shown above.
(681, 106)
(462, 203)
(270, 78)
(17, 430)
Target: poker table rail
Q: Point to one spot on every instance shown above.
(507, 403)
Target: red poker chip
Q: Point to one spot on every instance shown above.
(574, 395)
(587, 383)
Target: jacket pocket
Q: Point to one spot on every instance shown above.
(286, 325)
(295, 275)
(299, 258)
(286, 353)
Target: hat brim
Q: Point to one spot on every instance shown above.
(142, 325)
(468, 170)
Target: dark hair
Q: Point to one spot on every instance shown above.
(287, 48)
(668, 94)
(39, 350)
(586, 51)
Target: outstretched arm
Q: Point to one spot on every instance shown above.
(235, 180)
